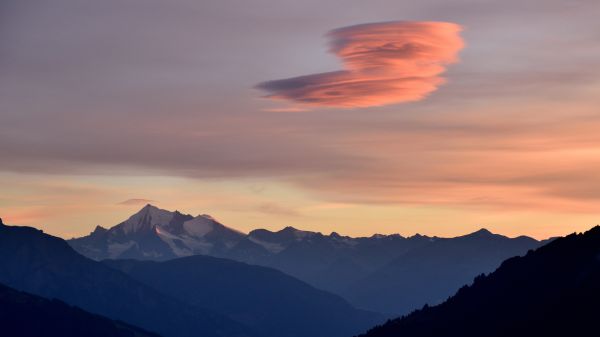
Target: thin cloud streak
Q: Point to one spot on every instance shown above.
(136, 202)
(385, 63)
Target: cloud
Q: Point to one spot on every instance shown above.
(160, 89)
(130, 202)
(385, 63)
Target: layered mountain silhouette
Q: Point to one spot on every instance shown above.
(384, 273)
(431, 273)
(552, 291)
(47, 266)
(192, 296)
(26, 315)
(269, 301)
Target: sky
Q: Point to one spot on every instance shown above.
(437, 117)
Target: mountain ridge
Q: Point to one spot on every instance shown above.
(47, 266)
(551, 291)
(267, 300)
(363, 270)
(25, 315)
(157, 234)
(201, 295)
(152, 218)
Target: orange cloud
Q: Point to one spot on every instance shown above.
(385, 63)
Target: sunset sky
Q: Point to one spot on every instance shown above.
(436, 117)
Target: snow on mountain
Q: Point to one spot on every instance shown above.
(116, 249)
(154, 233)
(199, 226)
(147, 217)
(270, 246)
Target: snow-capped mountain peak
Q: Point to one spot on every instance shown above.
(159, 234)
(148, 217)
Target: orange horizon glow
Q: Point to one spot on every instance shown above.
(68, 209)
(460, 117)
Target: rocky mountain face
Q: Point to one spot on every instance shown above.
(157, 234)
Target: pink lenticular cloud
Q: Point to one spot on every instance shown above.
(385, 63)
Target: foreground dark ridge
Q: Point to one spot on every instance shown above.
(552, 291)
(46, 266)
(26, 315)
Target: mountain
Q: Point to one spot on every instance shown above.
(47, 266)
(157, 234)
(331, 262)
(190, 296)
(383, 273)
(431, 273)
(26, 315)
(552, 291)
(269, 301)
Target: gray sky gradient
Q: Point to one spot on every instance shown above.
(141, 87)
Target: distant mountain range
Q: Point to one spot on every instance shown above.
(184, 297)
(553, 291)
(26, 315)
(383, 273)
(432, 272)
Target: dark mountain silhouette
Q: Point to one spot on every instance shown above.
(272, 303)
(552, 291)
(384, 273)
(431, 273)
(26, 315)
(331, 262)
(47, 266)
